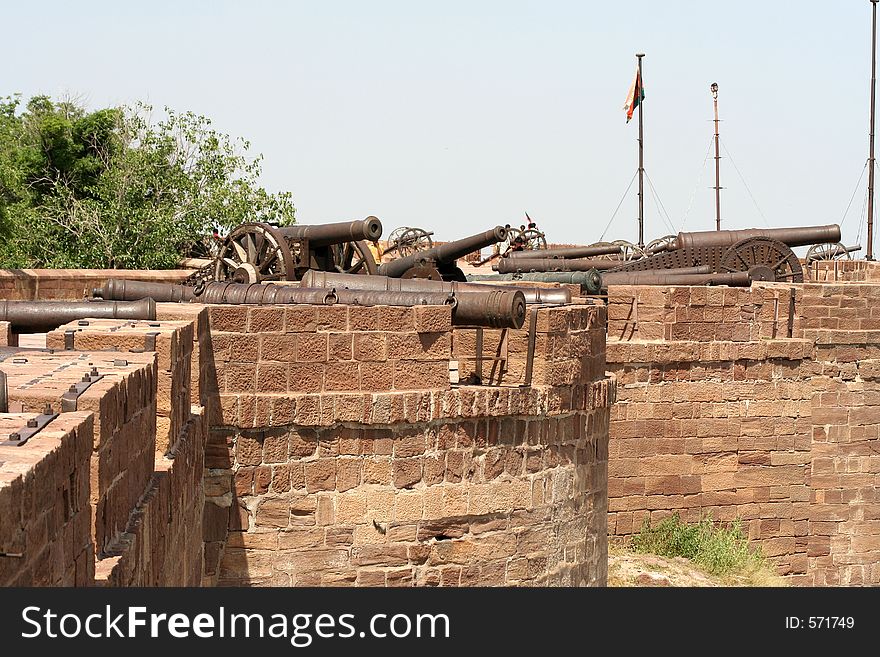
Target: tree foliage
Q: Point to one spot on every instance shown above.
(113, 188)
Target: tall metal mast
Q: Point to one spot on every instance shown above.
(714, 89)
(870, 252)
(642, 159)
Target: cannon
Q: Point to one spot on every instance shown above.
(497, 308)
(43, 316)
(567, 252)
(738, 251)
(492, 308)
(564, 277)
(791, 237)
(439, 262)
(329, 279)
(255, 252)
(511, 265)
(119, 289)
(836, 251)
(600, 281)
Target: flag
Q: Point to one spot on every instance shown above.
(635, 96)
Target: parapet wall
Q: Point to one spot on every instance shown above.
(758, 404)
(74, 284)
(346, 456)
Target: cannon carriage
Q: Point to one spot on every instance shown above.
(257, 252)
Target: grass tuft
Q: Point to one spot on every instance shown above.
(719, 549)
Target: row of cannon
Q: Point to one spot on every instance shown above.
(259, 252)
(332, 264)
(707, 257)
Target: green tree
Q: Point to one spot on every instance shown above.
(113, 188)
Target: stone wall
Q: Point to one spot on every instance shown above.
(345, 456)
(142, 516)
(72, 284)
(756, 404)
(45, 518)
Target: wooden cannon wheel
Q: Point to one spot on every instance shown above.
(354, 258)
(254, 252)
(763, 252)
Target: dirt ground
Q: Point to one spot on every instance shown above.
(626, 568)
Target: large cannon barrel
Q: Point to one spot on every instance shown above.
(601, 281)
(262, 293)
(565, 277)
(445, 253)
(118, 289)
(43, 316)
(475, 305)
(325, 279)
(567, 252)
(336, 233)
(511, 266)
(791, 237)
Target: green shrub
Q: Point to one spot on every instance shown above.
(718, 548)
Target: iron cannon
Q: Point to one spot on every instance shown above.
(439, 262)
(43, 316)
(255, 252)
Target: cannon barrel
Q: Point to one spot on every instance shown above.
(564, 277)
(118, 289)
(510, 266)
(336, 233)
(493, 308)
(791, 237)
(601, 281)
(325, 279)
(445, 253)
(567, 252)
(43, 316)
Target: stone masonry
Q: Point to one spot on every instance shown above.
(757, 404)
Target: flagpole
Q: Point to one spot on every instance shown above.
(870, 252)
(642, 158)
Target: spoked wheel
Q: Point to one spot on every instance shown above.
(354, 258)
(533, 240)
(252, 253)
(659, 244)
(763, 252)
(828, 252)
(628, 250)
(512, 234)
(414, 240)
(394, 240)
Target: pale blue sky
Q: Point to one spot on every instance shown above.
(457, 116)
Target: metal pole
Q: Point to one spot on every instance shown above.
(641, 157)
(870, 251)
(714, 89)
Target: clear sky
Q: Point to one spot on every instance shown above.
(458, 116)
